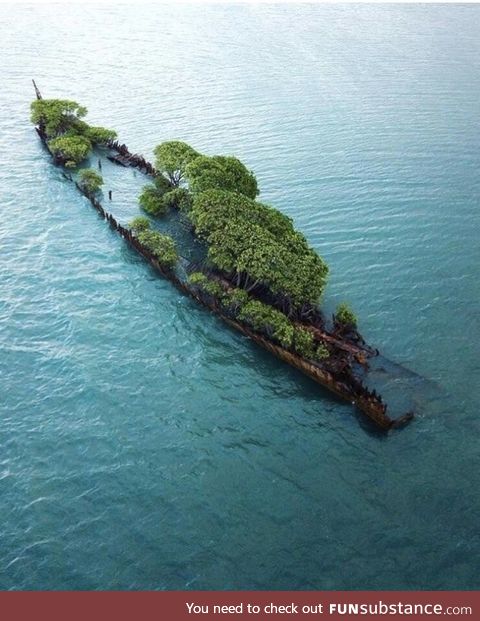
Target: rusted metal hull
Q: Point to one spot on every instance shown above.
(370, 404)
(375, 410)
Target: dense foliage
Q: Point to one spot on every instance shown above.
(70, 149)
(321, 353)
(140, 223)
(178, 198)
(90, 180)
(254, 246)
(263, 318)
(235, 299)
(345, 316)
(304, 343)
(155, 201)
(259, 246)
(201, 281)
(161, 246)
(99, 135)
(220, 172)
(172, 158)
(56, 115)
(69, 138)
(152, 201)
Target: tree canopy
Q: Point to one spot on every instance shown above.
(259, 246)
(261, 317)
(90, 180)
(172, 158)
(69, 137)
(253, 245)
(161, 246)
(140, 223)
(264, 318)
(220, 172)
(201, 281)
(345, 316)
(179, 198)
(99, 135)
(71, 149)
(56, 115)
(152, 201)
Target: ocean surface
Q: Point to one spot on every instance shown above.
(143, 445)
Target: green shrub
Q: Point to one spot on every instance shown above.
(304, 343)
(99, 135)
(90, 180)
(260, 245)
(140, 223)
(161, 246)
(178, 198)
(206, 284)
(283, 333)
(321, 353)
(172, 158)
(152, 201)
(72, 149)
(235, 299)
(263, 318)
(56, 115)
(162, 184)
(220, 172)
(345, 316)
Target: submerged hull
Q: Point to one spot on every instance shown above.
(369, 403)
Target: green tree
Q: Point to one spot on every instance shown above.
(178, 198)
(258, 246)
(172, 158)
(161, 246)
(220, 172)
(152, 201)
(56, 115)
(90, 180)
(162, 184)
(214, 209)
(99, 135)
(321, 353)
(235, 299)
(70, 149)
(265, 319)
(304, 343)
(140, 223)
(345, 316)
(204, 283)
(155, 201)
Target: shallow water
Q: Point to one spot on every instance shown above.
(145, 446)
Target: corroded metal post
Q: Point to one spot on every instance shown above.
(37, 92)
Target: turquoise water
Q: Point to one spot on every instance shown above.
(145, 446)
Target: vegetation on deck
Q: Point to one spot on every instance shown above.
(90, 180)
(258, 269)
(259, 272)
(161, 246)
(69, 138)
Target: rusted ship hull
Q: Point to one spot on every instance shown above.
(369, 404)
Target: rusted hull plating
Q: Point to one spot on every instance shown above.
(370, 405)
